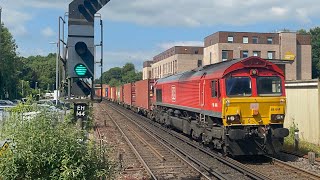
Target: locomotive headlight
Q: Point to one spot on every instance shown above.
(277, 117)
(233, 118)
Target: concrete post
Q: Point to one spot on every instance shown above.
(311, 157)
(296, 139)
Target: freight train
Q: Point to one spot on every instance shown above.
(236, 106)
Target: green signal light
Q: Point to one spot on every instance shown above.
(80, 69)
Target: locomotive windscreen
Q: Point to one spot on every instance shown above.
(239, 86)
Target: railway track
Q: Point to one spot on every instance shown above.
(129, 165)
(212, 163)
(158, 160)
(277, 169)
(300, 155)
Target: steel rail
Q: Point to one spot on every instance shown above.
(228, 161)
(301, 155)
(198, 162)
(131, 145)
(301, 171)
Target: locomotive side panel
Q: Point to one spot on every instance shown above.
(189, 94)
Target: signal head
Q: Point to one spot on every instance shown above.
(81, 48)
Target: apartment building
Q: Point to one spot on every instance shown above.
(174, 60)
(146, 71)
(290, 51)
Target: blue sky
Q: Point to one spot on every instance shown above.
(137, 30)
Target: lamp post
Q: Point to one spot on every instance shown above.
(57, 72)
(22, 89)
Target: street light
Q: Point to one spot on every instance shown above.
(57, 72)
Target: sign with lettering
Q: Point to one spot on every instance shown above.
(173, 93)
(80, 110)
(289, 56)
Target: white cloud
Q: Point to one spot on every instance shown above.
(192, 13)
(15, 21)
(48, 32)
(209, 12)
(120, 58)
(279, 11)
(168, 45)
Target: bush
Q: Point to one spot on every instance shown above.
(304, 147)
(45, 148)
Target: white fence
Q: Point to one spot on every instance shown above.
(303, 99)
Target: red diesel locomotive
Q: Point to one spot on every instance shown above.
(237, 106)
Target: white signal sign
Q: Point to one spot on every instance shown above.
(80, 110)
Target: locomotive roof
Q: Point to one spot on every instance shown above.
(219, 69)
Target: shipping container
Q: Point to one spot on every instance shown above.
(108, 92)
(104, 91)
(143, 94)
(128, 92)
(119, 93)
(113, 93)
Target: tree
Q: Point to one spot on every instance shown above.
(315, 42)
(117, 76)
(40, 69)
(9, 65)
(128, 67)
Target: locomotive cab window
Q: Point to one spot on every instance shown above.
(159, 95)
(269, 86)
(214, 89)
(239, 86)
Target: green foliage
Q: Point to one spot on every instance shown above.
(315, 42)
(17, 73)
(9, 65)
(46, 148)
(315, 35)
(40, 69)
(304, 147)
(117, 76)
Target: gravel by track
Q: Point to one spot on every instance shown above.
(277, 169)
(129, 166)
(210, 162)
(157, 159)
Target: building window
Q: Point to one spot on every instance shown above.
(244, 54)
(269, 40)
(210, 58)
(175, 66)
(230, 39)
(245, 40)
(256, 53)
(255, 40)
(199, 63)
(271, 54)
(224, 55)
(196, 52)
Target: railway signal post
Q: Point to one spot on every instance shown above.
(80, 47)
